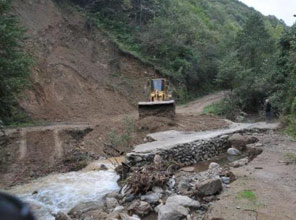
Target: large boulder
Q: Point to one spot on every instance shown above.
(253, 152)
(171, 212)
(233, 152)
(238, 141)
(174, 209)
(185, 201)
(209, 187)
(85, 207)
(151, 197)
(239, 163)
(140, 208)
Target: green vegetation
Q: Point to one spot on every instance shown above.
(290, 157)
(14, 66)
(123, 139)
(247, 194)
(226, 108)
(184, 40)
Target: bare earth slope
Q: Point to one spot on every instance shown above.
(79, 74)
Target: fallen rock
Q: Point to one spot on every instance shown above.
(171, 212)
(214, 165)
(111, 203)
(252, 140)
(114, 195)
(183, 185)
(62, 216)
(157, 189)
(239, 163)
(233, 152)
(140, 208)
(125, 216)
(85, 207)
(151, 197)
(188, 169)
(238, 141)
(209, 187)
(118, 208)
(178, 200)
(253, 152)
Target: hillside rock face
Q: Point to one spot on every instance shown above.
(79, 75)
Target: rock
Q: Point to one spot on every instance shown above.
(239, 163)
(209, 187)
(140, 208)
(118, 208)
(253, 152)
(62, 216)
(188, 169)
(252, 140)
(111, 203)
(214, 165)
(171, 212)
(225, 179)
(157, 189)
(258, 145)
(125, 216)
(233, 152)
(128, 198)
(238, 141)
(85, 207)
(151, 197)
(114, 195)
(183, 185)
(185, 201)
(103, 167)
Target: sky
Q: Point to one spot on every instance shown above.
(282, 9)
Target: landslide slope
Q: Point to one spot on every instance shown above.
(79, 75)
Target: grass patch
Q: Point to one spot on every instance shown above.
(290, 157)
(217, 108)
(290, 126)
(247, 194)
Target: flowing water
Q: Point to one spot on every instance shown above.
(61, 192)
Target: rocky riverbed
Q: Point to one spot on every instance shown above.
(162, 188)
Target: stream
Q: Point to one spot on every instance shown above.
(61, 192)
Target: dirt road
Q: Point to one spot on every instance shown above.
(196, 107)
(265, 189)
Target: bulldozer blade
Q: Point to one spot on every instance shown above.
(158, 109)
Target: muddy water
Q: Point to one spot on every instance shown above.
(222, 160)
(61, 192)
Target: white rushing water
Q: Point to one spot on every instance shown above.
(61, 192)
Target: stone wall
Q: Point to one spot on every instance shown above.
(187, 153)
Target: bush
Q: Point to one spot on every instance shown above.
(14, 66)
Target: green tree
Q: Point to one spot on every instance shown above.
(14, 65)
(229, 69)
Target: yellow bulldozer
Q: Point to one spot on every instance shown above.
(160, 101)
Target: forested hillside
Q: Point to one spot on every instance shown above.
(185, 40)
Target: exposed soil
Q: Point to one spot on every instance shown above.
(271, 180)
(71, 146)
(79, 74)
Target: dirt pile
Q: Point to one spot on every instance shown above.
(79, 74)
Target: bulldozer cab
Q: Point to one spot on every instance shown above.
(157, 84)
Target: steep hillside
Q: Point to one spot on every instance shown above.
(185, 40)
(79, 74)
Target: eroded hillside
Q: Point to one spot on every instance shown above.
(79, 74)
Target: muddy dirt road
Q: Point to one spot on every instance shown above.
(67, 144)
(265, 188)
(196, 107)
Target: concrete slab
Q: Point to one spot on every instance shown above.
(169, 139)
